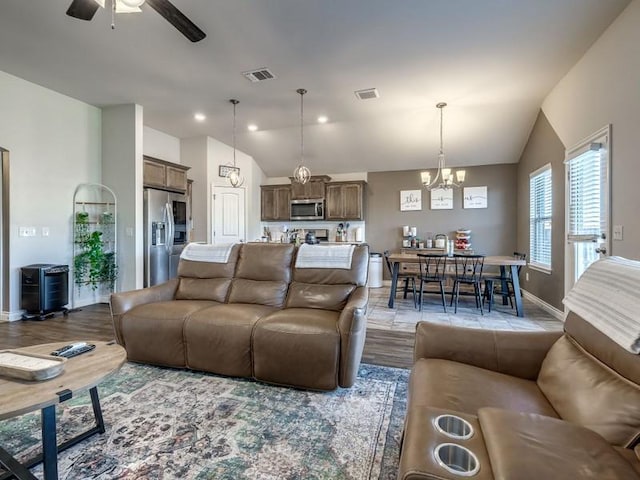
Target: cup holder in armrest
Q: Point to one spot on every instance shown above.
(456, 459)
(453, 426)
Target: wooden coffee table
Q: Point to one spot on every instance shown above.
(83, 372)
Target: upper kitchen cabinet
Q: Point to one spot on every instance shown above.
(345, 201)
(275, 201)
(164, 175)
(314, 188)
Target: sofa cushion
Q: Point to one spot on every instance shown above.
(585, 391)
(327, 297)
(265, 261)
(299, 347)
(527, 446)
(263, 292)
(218, 339)
(193, 269)
(465, 388)
(357, 275)
(153, 331)
(215, 289)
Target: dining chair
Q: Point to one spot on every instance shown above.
(491, 282)
(468, 271)
(432, 270)
(407, 277)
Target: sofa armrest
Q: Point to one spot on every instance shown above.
(352, 326)
(122, 302)
(514, 353)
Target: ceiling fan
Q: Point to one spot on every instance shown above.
(86, 9)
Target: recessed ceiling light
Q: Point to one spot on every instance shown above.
(200, 117)
(252, 128)
(323, 119)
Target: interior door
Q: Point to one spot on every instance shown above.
(587, 204)
(229, 224)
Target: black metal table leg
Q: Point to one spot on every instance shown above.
(394, 281)
(516, 290)
(504, 287)
(50, 448)
(49, 443)
(14, 468)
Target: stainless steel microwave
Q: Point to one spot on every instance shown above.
(307, 209)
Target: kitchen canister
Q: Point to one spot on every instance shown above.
(406, 231)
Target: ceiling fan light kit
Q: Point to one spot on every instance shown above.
(86, 9)
(444, 177)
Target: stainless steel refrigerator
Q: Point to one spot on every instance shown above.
(165, 234)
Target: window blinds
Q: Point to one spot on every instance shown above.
(540, 205)
(587, 175)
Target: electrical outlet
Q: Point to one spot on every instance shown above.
(617, 232)
(129, 231)
(27, 232)
(45, 231)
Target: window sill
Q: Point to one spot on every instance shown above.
(539, 268)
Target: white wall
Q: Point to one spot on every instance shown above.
(161, 145)
(55, 144)
(602, 88)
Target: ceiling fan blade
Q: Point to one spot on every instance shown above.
(176, 18)
(83, 9)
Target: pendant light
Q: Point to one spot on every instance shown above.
(301, 174)
(444, 176)
(234, 177)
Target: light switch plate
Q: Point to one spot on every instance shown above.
(617, 232)
(27, 232)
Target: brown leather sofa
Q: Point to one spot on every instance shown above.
(255, 316)
(543, 405)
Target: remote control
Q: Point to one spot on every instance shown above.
(73, 349)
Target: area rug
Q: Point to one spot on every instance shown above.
(175, 424)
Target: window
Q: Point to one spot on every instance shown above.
(540, 216)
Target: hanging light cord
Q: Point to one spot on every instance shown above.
(234, 132)
(441, 141)
(302, 92)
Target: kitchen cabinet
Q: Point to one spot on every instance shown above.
(275, 202)
(314, 188)
(164, 175)
(344, 201)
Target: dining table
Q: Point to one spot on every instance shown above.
(503, 261)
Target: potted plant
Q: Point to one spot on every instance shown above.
(93, 266)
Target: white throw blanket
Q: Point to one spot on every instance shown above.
(324, 256)
(606, 296)
(205, 252)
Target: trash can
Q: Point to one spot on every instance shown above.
(375, 270)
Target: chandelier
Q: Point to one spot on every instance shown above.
(301, 174)
(444, 177)
(233, 175)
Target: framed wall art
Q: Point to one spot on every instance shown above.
(442, 199)
(410, 200)
(475, 197)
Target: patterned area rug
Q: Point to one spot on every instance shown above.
(174, 424)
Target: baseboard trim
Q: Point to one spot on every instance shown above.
(11, 316)
(559, 314)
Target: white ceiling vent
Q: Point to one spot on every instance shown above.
(367, 93)
(259, 75)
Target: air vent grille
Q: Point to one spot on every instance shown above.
(367, 93)
(259, 75)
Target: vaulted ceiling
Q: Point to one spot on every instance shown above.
(492, 61)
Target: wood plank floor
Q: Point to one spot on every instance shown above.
(382, 347)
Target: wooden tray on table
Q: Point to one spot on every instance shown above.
(30, 366)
